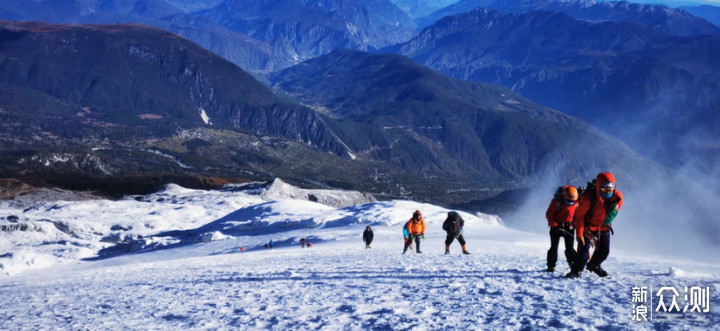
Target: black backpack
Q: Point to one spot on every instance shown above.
(590, 189)
(454, 224)
(558, 197)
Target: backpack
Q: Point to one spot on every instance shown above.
(558, 197)
(454, 226)
(590, 189)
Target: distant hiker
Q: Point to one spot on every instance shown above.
(267, 245)
(309, 244)
(368, 236)
(416, 229)
(560, 217)
(271, 243)
(242, 249)
(302, 243)
(597, 209)
(453, 226)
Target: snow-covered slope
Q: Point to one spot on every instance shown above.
(174, 261)
(39, 231)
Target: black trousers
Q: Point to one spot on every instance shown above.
(409, 241)
(449, 239)
(602, 250)
(570, 255)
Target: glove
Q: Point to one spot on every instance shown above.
(422, 235)
(610, 214)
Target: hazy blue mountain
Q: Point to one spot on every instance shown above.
(240, 49)
(258, 36)
(405, 113)
(673, 21)
(123, 108)
(460, 7)
(422, 8)
(656, 91)
(708, 12)
(194, 5)
(302, 29)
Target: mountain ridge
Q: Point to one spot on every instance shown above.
(481, 126)
(610, 74)
(195, 115)
(674, 21)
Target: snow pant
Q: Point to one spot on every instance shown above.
(602, 250)
(449, 239)
(409, 241)
(555, 234)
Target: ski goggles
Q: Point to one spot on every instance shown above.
(607, 189)
(569, 202)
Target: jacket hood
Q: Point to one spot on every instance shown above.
(603, 178)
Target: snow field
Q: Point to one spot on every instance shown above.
(337, 285)
(177, 282)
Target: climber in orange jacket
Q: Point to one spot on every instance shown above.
(416, 229)
(597, 209)
(560, 217)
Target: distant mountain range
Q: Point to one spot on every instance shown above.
(258, 36)
(234, 46)
(673, 21)
(422, 8)
(647, 74)
(656, 91)
(417, 118)
(708, 12)
(302, 29)
(123, 108)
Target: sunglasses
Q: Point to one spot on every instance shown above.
(569, 202)
(607, 190)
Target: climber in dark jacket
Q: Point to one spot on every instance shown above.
(368, 236)
(453, 225)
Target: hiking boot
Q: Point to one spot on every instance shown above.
(597, 269)
(550, 269)
(447, 249)
(465, 250)
(447, 252)
(573, 274)
(418, 251)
